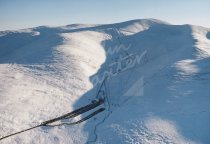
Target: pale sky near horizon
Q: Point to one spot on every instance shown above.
(19, 14)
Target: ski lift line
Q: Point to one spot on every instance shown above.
(129, 56)
(83, 110)
(106, 88)
(76, 112)
(107, 92)
(69, 115)
(106, 96)
(81, 120)
(95, 127)
(118, 38)
(102, 84)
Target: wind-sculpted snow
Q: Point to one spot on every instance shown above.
(154, 77)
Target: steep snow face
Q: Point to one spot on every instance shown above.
(154, 76)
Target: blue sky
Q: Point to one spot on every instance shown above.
(17, 14)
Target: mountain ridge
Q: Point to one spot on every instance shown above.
(156, 82)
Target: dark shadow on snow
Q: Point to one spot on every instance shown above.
(159, 41)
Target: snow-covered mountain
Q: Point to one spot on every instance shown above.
(154, 76)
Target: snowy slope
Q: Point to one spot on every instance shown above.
(156, 85)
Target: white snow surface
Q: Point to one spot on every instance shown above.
(157, 85)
